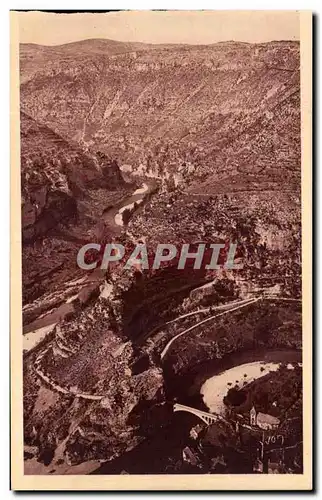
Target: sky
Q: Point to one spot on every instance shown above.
(194, 27)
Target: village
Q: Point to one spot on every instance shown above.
(264, 438)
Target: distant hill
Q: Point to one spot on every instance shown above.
(91, 46)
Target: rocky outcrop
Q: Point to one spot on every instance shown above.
(56, 175)
(88, 409)
(64, 192)
(265, 324)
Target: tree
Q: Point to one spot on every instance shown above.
(235, 397)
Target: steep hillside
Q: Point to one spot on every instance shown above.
(220, 121)
(228, 109)
(64, 191)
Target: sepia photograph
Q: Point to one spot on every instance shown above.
(161, 250)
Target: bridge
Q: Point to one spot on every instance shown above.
(208, 418)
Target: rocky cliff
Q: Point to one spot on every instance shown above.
(227, 112)
(64, 191)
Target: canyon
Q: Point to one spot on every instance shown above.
(141, 144)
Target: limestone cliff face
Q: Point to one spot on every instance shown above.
(227, 112)
(64, 191)
(55, 174)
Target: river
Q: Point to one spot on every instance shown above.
(216, 388)
(232, 367)
(156, 454)
(119, 220)
(36, 331)
(114, 215)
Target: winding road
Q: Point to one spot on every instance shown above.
(231, 309)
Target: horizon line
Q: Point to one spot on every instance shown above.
(297, 40)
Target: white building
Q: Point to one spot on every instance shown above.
(263, 420)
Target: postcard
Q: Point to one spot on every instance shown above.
(161, 250)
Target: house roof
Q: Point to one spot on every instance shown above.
(267, 419)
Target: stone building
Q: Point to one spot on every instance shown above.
(263, 420)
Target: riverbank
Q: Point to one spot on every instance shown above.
(215, 368)
(161, 453)
(39, 328)
(118, 215)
